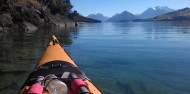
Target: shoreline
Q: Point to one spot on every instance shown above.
(18, 17)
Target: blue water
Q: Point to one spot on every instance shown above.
(120, 58)
(135, 58)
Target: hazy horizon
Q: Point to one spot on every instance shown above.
(111, 7)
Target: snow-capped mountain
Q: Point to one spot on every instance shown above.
(179, 15)
(156, 11)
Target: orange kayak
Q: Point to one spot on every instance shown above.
(57, 62)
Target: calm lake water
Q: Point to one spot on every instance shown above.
(120, 58)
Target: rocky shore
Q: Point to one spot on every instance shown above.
(28, 15)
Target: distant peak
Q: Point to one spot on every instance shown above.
(116, 14)
(124, 12)
(99, 14)
(151, 8)
(165, 7)
(159, 8)
(155, 11)
(185, 9)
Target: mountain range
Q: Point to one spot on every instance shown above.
(179, 15)
(98, 16)
(126, 16)
(153, 12)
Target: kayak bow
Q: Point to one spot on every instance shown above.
(56, 61)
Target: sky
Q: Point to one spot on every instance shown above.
(111, 7)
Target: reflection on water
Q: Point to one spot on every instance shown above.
(21, 50)
(120, 58)
(17, 46)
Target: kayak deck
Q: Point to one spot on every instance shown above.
(54, 52)
(56, 61)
